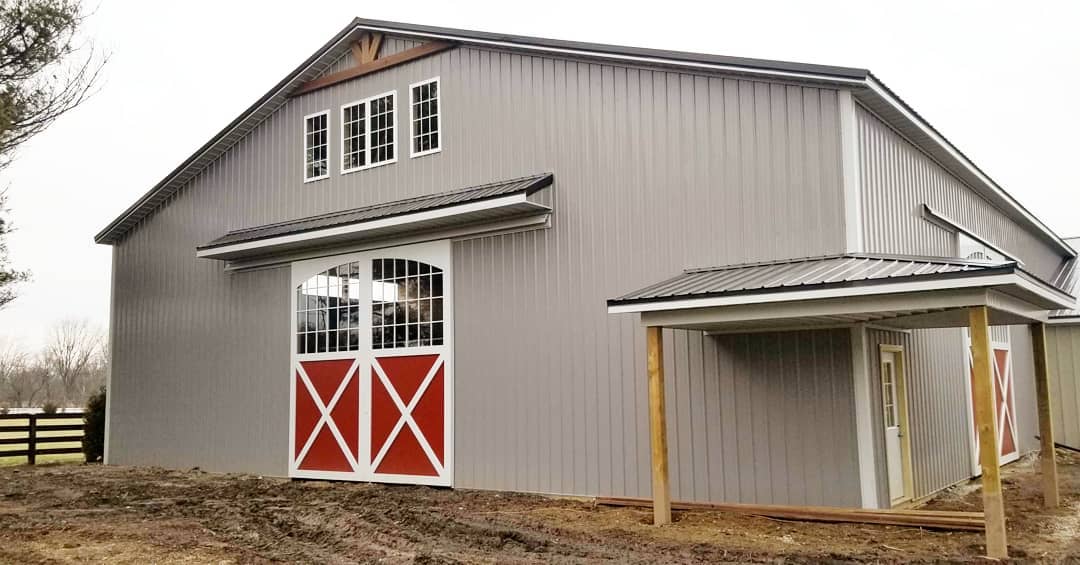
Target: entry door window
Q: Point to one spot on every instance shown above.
(888, 384)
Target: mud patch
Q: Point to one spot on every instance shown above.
(94, 514)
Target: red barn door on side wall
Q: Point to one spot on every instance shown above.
(1004, 405)
(371, 383)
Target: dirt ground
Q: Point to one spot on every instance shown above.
(80, 514)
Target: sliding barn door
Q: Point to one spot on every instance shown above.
(1004, 402)
(371, 380)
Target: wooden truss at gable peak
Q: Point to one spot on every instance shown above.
(366, 53)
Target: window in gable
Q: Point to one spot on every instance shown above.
(383, 133)
(368, 133)
(316, 146)
(425, 118)
(353, 136)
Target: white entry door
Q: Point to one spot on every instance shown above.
(371, 380)
(894, 412)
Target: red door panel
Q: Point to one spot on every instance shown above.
(326, 433)
(408, 415)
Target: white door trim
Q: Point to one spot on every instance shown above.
(436, 253)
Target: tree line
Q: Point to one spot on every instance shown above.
(69, 367)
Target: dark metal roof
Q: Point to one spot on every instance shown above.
(1068, 279)
(526, 185)
(800, 274)
(594, 49)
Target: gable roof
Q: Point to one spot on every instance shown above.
(867, 89)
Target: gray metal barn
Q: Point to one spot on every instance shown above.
(504, 198)
(1063, 349)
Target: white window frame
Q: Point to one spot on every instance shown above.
(367, 132)
(438, 118)
(346, 170)
(304, 147)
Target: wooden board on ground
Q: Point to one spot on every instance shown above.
(932, 519)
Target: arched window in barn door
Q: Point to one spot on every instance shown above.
(328, 311)
(406, 304)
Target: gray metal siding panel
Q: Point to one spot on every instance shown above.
(1027, 409)
(938, 412)
(939, 405)
(655, 171)
(896, 179)
(1063, 353)
(195, 351)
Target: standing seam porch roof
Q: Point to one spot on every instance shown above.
(870, 90)
(846, 270)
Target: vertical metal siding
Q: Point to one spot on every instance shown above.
(1063, 351)
(939, 405)
(938, 413)
(897, 179)
(655, 171)
(1027, 408)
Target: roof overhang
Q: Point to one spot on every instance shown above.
(870, 91)
(1011, 297)
(497, 207)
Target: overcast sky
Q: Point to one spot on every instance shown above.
(999, 80)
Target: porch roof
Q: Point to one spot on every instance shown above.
(890, 290)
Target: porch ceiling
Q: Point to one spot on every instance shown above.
(894, 291)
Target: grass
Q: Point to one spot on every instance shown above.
(21, 460)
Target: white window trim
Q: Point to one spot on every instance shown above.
(438, 118)
(367, 130)
(344, 169)
(304, 147)
(948, 223)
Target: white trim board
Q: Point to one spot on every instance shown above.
(864, 407)
(849, 158)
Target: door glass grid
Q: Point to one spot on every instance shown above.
(406, 304)
(888, 393)
(328, 311)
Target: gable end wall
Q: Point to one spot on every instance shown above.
(654, 171)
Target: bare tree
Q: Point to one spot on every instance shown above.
(69, 356)
(22, 382)
(44, 71)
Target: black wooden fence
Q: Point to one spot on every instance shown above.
(36, 433)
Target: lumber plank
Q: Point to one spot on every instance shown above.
(661, 490)
(986, 423)
(934, 519)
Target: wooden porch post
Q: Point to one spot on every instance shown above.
(661, 493)
(986, 424)
(1051, 497)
